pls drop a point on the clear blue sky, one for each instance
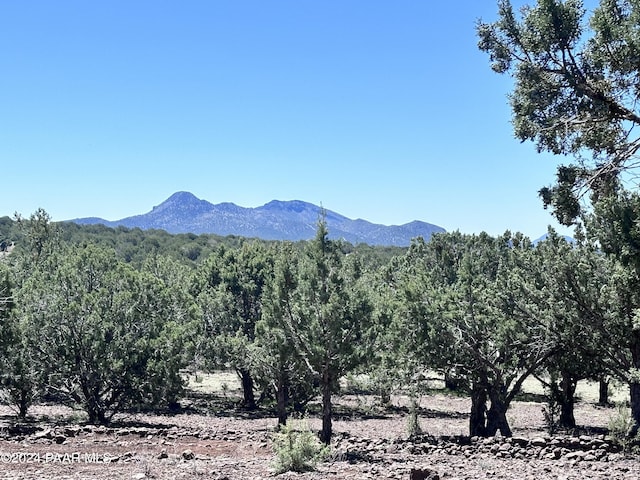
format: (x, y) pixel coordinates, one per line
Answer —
(382, 110)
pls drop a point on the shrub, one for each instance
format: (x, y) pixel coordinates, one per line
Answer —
(620, 428)
(297, 449)
(551, 413)
(413, 423)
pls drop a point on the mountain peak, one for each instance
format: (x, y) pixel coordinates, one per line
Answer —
(182, 197)
(292, 220)
(182, 200)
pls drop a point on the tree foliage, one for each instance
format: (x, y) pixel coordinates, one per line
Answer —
(100, 332)
(229, 288)
(575, 89)
(472, 306)
(327, 317)
(274, 355)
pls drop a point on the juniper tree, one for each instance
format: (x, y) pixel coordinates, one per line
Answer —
(274, 356)
(100, 332)
(474, 309)
(328, 321)
(575, 93)
(228, 288)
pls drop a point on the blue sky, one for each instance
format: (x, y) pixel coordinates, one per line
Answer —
(379, 110)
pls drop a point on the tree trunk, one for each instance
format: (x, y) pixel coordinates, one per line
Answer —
(97, 416)
(603, 391)
(451, 382)
(281, 395)
(634, 387)
(567, 401)
(327, 428)
(497, 415)
(478, 417)
(25, 400)
(385, 398)
(95, 409)
(634, 391)
(249, 400)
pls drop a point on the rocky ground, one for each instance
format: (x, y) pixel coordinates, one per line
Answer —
(209, 440)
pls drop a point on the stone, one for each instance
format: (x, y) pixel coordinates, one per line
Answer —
(188, 455)
(520, 441)
(71, 432)
(577, 456)
(423, 474)
(46, 433)
(539, 442)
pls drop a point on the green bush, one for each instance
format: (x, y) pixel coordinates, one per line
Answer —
(620, 428)
(413, 423)
(297, 449)
(551, 413)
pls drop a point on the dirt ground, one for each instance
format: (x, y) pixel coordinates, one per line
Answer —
(209, 440)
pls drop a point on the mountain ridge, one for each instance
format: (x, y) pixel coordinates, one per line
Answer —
(292, 220)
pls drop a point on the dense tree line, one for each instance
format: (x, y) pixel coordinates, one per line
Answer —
(82, 326)
(133, 245)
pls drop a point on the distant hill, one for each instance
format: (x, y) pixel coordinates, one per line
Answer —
(566, 238)
(291, 220)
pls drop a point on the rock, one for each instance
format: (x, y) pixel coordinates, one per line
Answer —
(163, 454)
(188, 455)
(539, 442)
(46, 433)
(60, 439)
(520, 441)
(423, 474)
(395, 449)
(71, 431)
(577, 456)
(573, 442)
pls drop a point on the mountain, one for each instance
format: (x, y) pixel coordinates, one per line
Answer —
(566, 238)
(292, 220)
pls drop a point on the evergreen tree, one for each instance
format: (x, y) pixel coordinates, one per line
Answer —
(576, 87)
(274, 355)
(329, 317)
(228, 288)
(475, 311)
(97, 330)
